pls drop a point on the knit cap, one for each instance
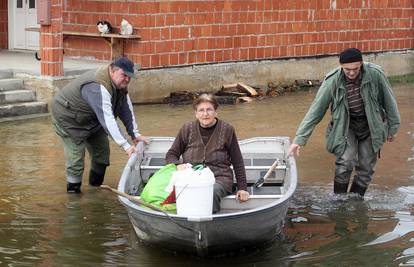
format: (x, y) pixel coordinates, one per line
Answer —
(350, 55)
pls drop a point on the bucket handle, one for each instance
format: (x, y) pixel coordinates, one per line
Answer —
(176, 197)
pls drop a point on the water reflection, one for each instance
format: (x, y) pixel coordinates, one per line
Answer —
(40, 225)
(404, 226)
(337, 228)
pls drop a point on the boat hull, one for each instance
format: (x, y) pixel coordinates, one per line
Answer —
(206, 238)
(209, 235)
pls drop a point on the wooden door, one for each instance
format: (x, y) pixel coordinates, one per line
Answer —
(24, 16)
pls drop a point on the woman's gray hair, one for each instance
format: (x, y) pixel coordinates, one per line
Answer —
(205, 98)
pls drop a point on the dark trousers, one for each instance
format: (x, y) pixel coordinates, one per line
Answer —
(359, 154)
(97, 145)
(218, 193)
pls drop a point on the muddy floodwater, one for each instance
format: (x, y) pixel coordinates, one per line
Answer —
(41, 225)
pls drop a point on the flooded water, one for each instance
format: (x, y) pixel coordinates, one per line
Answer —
(41, 225)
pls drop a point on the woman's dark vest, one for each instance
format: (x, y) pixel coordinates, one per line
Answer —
(214, 154)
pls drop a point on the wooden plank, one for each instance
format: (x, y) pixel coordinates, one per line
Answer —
(115, 41)
(248, 89)
(97, 34)
(229, 87)
(117, 48)
(90, 34)
(230, 93)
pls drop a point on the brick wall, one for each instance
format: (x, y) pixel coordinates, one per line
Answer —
(196, 32)
(51, 40)
(3, 25)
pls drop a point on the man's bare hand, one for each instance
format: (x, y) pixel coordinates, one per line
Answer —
(391, 138)
(294, 150)
(131, 151)
(141, 139)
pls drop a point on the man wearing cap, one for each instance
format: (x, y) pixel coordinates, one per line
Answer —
(364, 115)
(84, 113)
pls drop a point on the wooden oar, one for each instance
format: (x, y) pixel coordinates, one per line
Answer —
(261, 180)
(132, 198)
(140, 202)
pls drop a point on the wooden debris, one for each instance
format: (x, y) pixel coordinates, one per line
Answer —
(247, 89)
(262, 92)
(236, 93)
(274, 92)
(230, 93)
(180, 98)
(244, 99)
(226, 99)
(307, 83)
(229, 87)
(271, 85)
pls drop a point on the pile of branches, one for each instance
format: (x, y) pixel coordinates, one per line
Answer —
(237, 93)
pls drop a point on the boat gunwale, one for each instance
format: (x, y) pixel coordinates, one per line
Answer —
(133, 206)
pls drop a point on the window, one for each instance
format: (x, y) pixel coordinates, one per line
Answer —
(32, 3)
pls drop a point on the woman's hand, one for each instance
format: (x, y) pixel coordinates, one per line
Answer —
(183, 166)
(242, 195)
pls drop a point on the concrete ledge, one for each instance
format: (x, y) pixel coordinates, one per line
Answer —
(6, 74)
(24, 117)
(153, 85)
(11, 84)
(21, 109)
(15, 96)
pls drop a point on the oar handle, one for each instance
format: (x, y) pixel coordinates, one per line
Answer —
(274, 165)
(131, 198)
(261, 180)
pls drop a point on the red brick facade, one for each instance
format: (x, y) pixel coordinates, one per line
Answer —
(190, 32)
(51, 42)
(195, 32)
(3, 25)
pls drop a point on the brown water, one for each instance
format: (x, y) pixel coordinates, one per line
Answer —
(41, 225)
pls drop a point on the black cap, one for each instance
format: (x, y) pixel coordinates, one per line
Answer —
(126, 65)
(350, 55)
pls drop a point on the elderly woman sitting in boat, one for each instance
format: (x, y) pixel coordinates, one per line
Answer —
(213, 142)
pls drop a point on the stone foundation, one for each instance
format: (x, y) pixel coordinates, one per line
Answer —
(153, 85)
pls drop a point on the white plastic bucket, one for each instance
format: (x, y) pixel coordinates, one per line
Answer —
(194, 192)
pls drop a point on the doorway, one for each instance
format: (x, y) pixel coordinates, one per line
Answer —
(22, 15)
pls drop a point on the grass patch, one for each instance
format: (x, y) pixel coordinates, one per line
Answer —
(408, 78)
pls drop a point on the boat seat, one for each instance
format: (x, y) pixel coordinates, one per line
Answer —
(258, 197)
(255, 168)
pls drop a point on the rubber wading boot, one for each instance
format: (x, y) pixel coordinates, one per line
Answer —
(355, 188)
(73, 188)
(95, 179)
(340, 188)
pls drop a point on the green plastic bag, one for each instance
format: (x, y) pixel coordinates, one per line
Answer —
(154, 191)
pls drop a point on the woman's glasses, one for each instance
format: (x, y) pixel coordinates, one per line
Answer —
(209, 111)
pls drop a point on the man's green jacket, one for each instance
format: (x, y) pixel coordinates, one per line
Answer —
(379, 103)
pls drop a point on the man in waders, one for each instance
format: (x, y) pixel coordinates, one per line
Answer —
(364, 116)
(84, 114)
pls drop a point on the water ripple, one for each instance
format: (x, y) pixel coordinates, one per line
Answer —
(10, 251)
